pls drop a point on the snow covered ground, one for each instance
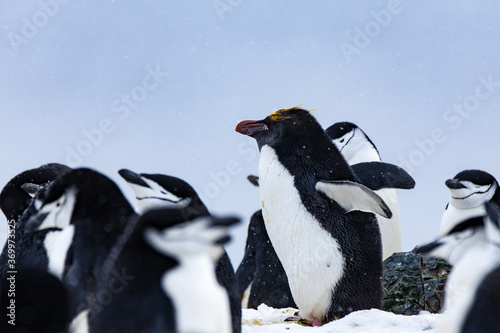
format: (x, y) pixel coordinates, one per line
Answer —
(269, 320)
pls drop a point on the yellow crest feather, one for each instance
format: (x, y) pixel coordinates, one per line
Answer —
(278, 115)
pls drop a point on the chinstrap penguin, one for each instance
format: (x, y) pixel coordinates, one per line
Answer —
(18, 206)
(170, 283)
(91, 213)
(162, 191)
(357, 149)
(473, 286)
(318, 216)
(469, 191)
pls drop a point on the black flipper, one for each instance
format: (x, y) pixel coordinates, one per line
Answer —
(246, 270)
(380, 175)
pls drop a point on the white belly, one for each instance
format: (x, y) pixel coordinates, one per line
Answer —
(390, 229)
(312, 259)
(200, 303)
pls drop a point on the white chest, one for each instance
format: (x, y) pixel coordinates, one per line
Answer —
(200, 303)
(312, 259)
(57, 244)
(453, 215)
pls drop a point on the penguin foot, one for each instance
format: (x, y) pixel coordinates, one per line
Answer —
(315, 322)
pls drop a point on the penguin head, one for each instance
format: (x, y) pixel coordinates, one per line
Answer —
(52, 211)
(351, 141)
(160, 191)
(471, 188)
(284, 124)
(462, 238)
(14, 200)
(179, 234)
(81, 195)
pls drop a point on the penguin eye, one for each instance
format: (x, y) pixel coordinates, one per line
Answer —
(341, 141)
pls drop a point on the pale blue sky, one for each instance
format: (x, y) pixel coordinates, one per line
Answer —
(401, 70)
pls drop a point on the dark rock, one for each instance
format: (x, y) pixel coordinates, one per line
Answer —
(413, 283)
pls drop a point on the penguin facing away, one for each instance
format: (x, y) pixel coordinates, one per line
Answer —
(172, 285)
(161, 191)
(469, 191)
(357, 149)
(473, 288)
(318, 216)
(260, 275)
(91, 213)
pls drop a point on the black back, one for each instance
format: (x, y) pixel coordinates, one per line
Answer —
(132, 280)
(40, 301)
(138, 302)
(484, 313)
(100, 215)
(310, 156)
(262, 268)
(14, 200)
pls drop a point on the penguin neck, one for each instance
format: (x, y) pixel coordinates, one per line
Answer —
(142, 262)
(365, 153)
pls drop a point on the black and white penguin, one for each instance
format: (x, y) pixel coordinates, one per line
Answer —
(161, 191)
(33, 301)
(472, 246)
(14, 200)
(353, 143)
(260, 275)
(18, 206)
(357, 149)
(318, 216)
(469, 190)
(171, 284)
(90, 213)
